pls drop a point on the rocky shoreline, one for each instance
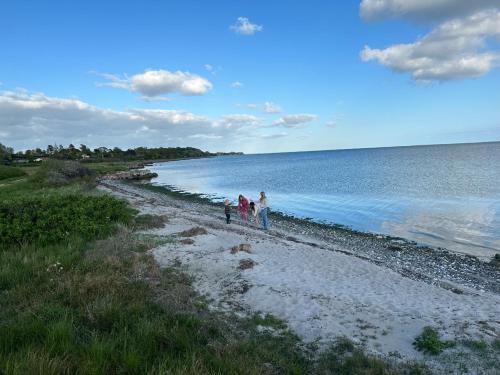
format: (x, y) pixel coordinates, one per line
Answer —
(453, 271)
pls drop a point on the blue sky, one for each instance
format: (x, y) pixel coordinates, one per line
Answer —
(101, 73)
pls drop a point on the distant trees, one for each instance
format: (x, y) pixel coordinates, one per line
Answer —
(5, 153)
(83, 152)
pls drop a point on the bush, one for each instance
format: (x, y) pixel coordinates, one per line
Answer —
(429, 342)
(59, 173)
(52, 218)
(10, 172)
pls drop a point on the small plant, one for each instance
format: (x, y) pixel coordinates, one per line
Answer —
(196, 231)
(148, 221)
(476, 345)
(429, 342)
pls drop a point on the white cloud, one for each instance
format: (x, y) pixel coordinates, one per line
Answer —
(30, 120)
(422, 10)
(245, 27)
(273, 136)
(153, 99)
(206, 136)
(35, 120)
(331, 124)
(152, 83)
(294, 121)
(238, 121)
(212, 69)
(271, 108)
(236, 85)
(455, 49)
(266, 107)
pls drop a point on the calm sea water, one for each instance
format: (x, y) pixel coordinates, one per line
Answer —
(443, 195)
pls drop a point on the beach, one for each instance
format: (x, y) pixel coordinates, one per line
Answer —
(327, 281)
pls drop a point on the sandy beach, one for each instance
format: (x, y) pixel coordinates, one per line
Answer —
(327, 282)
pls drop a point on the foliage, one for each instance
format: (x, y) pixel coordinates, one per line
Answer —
(109, 154)
(5, 154)
(59, 173)
(52, 218)
(429, 342)
(10, 172)
(345, 358)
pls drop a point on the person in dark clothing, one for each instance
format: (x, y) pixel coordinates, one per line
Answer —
(227, 210)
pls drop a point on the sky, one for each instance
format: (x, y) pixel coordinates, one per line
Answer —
(252, 76)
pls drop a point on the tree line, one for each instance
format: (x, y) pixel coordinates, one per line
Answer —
(8, 156)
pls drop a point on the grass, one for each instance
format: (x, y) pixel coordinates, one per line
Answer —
(147, 221)
(346, 358)
(7, 172)
(95, 301)
(107, 167)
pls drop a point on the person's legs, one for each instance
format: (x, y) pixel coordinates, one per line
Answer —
(244, 216)
(264, 218)
(228, 218)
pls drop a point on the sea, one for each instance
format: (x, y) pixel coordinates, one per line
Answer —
(444, 196)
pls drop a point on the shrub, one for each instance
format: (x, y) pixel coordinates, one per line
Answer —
(59, 173)
(10, 172)
(52, 218)
(429, 342)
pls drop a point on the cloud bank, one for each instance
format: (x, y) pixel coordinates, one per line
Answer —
(457, 48)
(35, 120)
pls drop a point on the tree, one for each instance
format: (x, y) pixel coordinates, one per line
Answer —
(6, 154)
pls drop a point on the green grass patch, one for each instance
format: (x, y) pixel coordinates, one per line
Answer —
(10, 172)
(429, 342)
(101, 168)
(347, 358)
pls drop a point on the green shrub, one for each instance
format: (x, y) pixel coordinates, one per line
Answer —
(52, 218)
(10, 172)
(429, 342)
(59, 173)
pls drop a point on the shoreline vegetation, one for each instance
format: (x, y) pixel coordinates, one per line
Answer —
(83, 292)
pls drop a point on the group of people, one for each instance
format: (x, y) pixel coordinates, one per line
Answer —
(257, 210)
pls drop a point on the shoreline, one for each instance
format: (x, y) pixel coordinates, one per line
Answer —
(396, 253)
(326, 282)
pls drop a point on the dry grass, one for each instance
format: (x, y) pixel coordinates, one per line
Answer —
(245, 247)
(246, 264)
(195, 231)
